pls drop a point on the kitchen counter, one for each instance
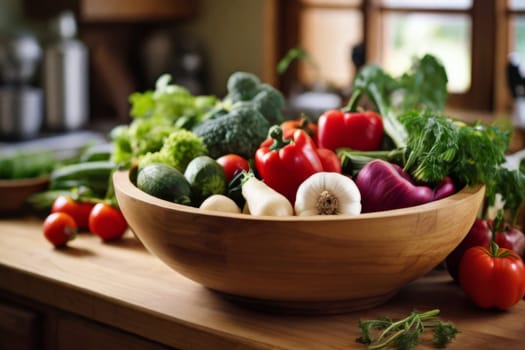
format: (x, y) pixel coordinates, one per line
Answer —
(124, 288)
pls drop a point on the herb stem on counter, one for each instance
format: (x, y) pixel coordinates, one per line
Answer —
(405, 333)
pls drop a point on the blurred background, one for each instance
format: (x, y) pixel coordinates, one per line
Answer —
(70, 65)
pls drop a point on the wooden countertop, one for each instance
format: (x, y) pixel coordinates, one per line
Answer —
(122, 285)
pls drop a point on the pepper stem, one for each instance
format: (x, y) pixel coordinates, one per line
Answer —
(327, 204)
(276, 133)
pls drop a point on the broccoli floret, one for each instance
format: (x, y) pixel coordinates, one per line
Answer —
(242, 86)
(240, 131)
(246, 88)
(179, 148)
(270, 102)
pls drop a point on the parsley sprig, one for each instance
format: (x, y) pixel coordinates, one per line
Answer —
(406, 333)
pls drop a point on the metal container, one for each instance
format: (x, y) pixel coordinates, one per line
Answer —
(65, 78)
(21, 112)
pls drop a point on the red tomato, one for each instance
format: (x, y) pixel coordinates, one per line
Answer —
(233, 164)
(79, 211)
(107, 222)
(59, 228)
(492, 278)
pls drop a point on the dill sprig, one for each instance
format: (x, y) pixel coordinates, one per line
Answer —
(406, 333)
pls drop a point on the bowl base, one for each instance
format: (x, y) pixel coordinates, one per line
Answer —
(293, 307)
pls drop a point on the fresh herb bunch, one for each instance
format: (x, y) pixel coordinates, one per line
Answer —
(438, 146)
(406, 333)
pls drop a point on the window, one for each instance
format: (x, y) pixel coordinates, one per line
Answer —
(473, 39)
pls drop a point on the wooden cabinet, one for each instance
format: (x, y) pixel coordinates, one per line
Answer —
(20, 328)
(32, 326)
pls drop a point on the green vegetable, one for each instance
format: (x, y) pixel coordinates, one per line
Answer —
(247, 88)
(292, 55)
(438, 146)
(239, 131)
(101, 151)
(206, 178)
(142, 136)
(25, 164)
(178, 149)
(424, 86)
(170, 102)
(406, 333)
(164, 182)
(242, 86)
(95, 175)
(156, 115)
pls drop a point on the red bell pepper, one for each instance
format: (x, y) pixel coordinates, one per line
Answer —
(362, 131)
(284, 164)
(492, 278)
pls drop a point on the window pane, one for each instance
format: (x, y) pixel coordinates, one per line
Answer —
(332, 2)
(517, 37)
(328, 35)
(445, 36)
(421, 4)
(517, 4)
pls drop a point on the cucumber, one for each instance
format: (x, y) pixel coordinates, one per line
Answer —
(206, 178)
(96, 170)
(97, 152)
(164, 182)
(94, 175)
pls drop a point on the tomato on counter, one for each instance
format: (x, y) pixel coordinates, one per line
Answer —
(107, 222)
(79, 211)
(59, 228)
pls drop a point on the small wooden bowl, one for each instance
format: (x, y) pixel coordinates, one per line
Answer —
(14, 193)
(321, 264)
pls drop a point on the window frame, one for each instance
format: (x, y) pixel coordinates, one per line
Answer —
(489, 43)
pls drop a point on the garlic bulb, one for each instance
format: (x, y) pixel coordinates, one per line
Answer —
(328, 193)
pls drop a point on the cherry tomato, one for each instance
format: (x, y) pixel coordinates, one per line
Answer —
(492, 278)
(59, 228)
(233, 164)
(107, 222)
(79, 211)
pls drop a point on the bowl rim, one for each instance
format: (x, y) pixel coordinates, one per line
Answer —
(123, 183)
(30, 181)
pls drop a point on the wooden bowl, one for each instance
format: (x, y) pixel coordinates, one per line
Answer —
(321, 264)
(14, 193)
